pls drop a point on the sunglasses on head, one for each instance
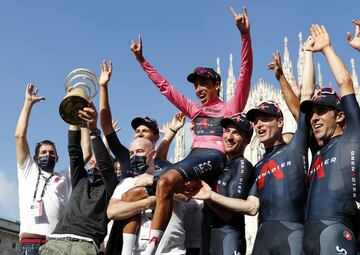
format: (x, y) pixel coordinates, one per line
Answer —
(148, 119)
(202, 70)
(326, 91)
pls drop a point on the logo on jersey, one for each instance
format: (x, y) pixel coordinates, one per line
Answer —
(347, 235)
(203, 167)
(318, 166)
(237, 253)
(270, 167)
(341, 251)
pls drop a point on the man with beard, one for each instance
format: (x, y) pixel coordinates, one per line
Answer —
(332, 213)
(223, 231)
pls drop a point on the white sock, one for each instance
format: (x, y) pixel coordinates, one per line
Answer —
(128, 244)
(155, 237)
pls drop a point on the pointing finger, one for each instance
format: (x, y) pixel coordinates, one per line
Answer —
(233, 12)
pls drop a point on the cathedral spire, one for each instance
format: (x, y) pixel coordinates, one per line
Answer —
(179, 145)
(288, 69)
(231, 82)
(319, 76)
(221, 94)
(300, 63)
(354, 76)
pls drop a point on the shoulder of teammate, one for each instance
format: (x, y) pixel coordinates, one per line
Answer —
(301, 138)
(352, 113)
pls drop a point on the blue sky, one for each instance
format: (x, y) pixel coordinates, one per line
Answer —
(42, 41)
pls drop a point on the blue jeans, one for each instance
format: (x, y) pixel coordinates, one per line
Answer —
(29, 248)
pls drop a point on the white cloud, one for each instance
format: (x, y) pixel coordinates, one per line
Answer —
(9, 201)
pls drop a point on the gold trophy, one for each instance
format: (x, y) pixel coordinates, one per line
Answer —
(81, 85)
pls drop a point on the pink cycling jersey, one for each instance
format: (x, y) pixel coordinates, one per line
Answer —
(217, 109)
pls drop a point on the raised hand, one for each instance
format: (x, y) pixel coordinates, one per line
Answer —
(276, 65)
(106, 72)
(321, 38)
(30, 94)
(242, 20)
(354, 41)
(136, 48)
(309, 43)
(164, 128)
(89, 115)
(177, 122)
(115, 126)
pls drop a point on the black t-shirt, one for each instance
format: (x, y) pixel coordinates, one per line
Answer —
(281, 178)
(85, 213)
(334, 172)
(235, 181)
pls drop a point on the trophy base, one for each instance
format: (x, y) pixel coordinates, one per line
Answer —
(69, 109)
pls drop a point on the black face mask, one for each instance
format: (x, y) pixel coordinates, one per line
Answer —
(93, 175)
(47, 163)
(138, 164)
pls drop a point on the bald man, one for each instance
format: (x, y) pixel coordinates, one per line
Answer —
(123, 207)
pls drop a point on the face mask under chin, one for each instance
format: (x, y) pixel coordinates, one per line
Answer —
(47, 163)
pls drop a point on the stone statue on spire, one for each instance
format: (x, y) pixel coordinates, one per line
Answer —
(354, 76)
(300, 62)
(288, 69)
(231, 81)
(319, 77)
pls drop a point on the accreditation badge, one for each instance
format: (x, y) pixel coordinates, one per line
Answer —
(146, 217)
(37, 208)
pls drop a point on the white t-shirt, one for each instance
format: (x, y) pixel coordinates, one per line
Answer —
(173, 240)
(192, 220)
(56, 196)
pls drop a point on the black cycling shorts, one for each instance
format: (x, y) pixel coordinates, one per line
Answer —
(323, 237)
(201, 163)
(226, 240)
(279, 238)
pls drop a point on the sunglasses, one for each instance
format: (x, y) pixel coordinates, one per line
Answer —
(202, 70)
(150, 120)
(326, 91)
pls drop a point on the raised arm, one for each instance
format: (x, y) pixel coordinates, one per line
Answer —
(308, 85)
(341, 74)
(22, 146)
(77, 165)
(86, 145)
(185, 105)
(105, 112)
(355, 41)
(238, 101)
(249, 206)
(291, 100)
(176, 123)
(103, 160)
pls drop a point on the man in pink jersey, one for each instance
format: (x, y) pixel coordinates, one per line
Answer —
(206, 158)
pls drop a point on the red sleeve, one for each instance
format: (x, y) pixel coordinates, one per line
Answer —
(184, 104)
(238, 101)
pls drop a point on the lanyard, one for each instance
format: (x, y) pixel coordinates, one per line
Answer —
(37, 186)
